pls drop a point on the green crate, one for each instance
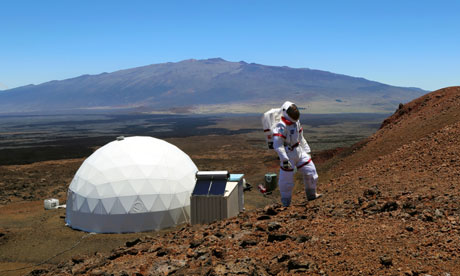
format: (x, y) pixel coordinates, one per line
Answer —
(271, 181)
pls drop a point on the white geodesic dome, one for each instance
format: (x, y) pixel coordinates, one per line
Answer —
(131, 185)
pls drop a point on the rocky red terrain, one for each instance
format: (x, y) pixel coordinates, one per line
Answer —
(391, 206)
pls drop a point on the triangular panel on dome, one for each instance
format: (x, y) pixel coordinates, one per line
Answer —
(162, 172)
(84, 207)
(183, 216)
(158, 204)
(118, 186)
(79, 200)
(99, 209)
(92, 202)
(166, 198)
(133, 172)
(157, 218)
(148, 200)
(127, 202)
(175, 215)
(98, 178)
(118, 208)
(166, 187)
(138, 185)
(82, 188)
(167, 220)
(114, 174)
(138, 206)
(182, 198)
(106, 190)
(76, 183)
(128, 188)
(106, 165)
(89, 173)
(175, 202)
(187, 182)
(108, 203)
(146, 170)
(150, 187)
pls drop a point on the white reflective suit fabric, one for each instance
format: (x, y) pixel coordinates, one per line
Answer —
(291, 146)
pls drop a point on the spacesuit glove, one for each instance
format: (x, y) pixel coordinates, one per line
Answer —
(286, 165)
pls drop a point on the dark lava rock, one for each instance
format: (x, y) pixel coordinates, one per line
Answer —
(38, 272)
(270, 210)
(409, 228)
(132, 251)
(133, 243)
(200, 253)
(277, 237)
(78, 259)
(371, 193)
(427, 217)
(261, 227)
(116, 253)
(195, 243)
(274, 225)
(246, 243)
(218, 253)
(99, 272)
(283, 258)
(408, 205)
(297, 216)
(296, 264)
(263, 217)
(247, 225)
(389, 206)
(219, 235)
(303, 238)
(386, 260)
(162, 252)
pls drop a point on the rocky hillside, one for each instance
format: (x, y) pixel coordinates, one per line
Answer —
(211, 85)
(391, 207)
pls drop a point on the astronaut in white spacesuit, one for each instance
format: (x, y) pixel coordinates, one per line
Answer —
(294, 152)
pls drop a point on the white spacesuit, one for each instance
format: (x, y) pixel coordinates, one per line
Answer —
(293, 151)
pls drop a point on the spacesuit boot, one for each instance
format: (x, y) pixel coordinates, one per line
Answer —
(310, 187)
(286, 201)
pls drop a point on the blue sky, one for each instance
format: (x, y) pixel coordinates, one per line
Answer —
(403, 43)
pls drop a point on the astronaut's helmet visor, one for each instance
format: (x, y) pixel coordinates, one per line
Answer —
(293, 112)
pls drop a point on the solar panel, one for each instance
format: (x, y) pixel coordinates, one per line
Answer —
(201, 187)
(218, 187)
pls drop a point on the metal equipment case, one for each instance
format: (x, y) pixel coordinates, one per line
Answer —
(215, 197)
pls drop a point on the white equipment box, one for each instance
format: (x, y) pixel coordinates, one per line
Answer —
(51, 203)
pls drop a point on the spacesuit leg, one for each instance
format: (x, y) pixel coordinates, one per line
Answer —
(286, 184)
(310, 179)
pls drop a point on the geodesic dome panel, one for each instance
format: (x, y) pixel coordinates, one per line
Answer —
(131, 185)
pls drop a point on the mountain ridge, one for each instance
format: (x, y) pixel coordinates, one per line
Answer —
(206, 85)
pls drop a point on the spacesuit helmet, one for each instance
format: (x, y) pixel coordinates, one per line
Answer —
(290, 111)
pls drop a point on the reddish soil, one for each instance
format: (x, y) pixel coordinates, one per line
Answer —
(391, 206)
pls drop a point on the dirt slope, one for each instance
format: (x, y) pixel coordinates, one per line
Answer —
(410, 122)
(391, 208)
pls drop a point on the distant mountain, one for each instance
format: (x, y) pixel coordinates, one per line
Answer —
(206, 86)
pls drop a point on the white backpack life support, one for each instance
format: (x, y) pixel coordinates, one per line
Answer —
(269, 121)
